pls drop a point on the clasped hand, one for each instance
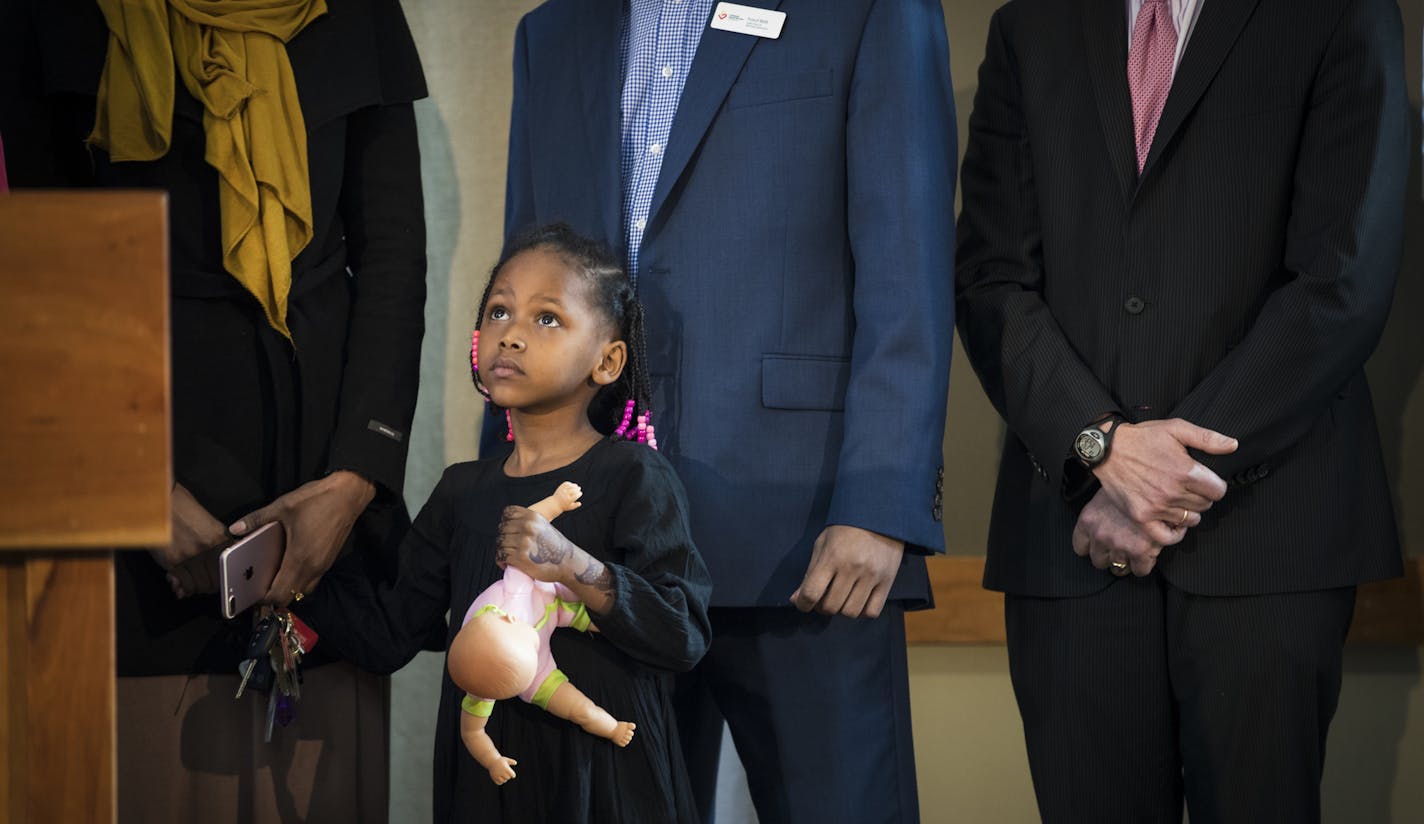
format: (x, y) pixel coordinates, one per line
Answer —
(1152, 492)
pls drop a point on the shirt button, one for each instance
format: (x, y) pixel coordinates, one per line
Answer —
(655, 149)
(1134, 305)
(667, 71)
(641, 224)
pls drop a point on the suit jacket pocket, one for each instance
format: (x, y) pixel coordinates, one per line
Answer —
(804, 382)
(759, 90)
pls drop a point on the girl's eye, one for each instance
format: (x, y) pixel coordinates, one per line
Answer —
(548, 319)
(498, 313)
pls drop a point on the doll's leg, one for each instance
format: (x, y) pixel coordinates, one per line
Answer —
(477, 741)
(569, 702)
(564, 499)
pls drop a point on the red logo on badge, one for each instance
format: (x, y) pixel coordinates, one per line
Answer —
(722, 16)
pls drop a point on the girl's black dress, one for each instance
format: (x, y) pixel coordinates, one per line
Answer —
(634, 519)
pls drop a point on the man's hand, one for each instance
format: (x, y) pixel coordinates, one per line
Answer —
(317, 517)
(1149, 477)
(1105, 534)
(850, 573)
(195, 531)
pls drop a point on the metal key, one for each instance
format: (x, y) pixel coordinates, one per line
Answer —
(258, 648)
(291, 644)
(245, 668)
(271, 716)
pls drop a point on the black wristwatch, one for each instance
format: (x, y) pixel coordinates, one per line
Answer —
(1092, 445)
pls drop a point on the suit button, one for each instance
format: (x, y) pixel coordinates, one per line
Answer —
(1134, 305)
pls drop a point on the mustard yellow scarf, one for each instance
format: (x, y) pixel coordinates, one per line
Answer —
(232, 57)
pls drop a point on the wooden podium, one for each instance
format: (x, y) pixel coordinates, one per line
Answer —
(84, 471)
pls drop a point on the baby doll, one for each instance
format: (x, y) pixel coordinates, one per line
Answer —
(502, 650)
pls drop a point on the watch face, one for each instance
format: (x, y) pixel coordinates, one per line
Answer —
(1088, 447)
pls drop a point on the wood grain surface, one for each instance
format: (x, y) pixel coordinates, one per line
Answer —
(1387, 613)
(57, 688)
(84, 430)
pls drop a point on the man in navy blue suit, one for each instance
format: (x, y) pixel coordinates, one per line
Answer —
(780, 179)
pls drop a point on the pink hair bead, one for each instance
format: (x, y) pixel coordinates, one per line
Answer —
(509, 430)
(622, 429)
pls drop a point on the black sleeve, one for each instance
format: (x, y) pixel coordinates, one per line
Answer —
(51, 55)
(384, 216)
(380, 627)
(659, 613)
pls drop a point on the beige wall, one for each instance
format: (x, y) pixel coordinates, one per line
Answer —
(969, 747)
(466, 47)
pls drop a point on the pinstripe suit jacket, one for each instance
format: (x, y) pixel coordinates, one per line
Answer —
(1240, 282)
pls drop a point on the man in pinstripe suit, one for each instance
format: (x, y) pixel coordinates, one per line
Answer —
(1181, 228)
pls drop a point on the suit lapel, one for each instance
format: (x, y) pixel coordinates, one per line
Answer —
(1105, 38)
(1218, 25)
(598, 63)
(719, 59)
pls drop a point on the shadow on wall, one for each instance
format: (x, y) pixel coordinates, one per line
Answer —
(415, 690)
(442, 228)
(1397, 367)
(1363, 770)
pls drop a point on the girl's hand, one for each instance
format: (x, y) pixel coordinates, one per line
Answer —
(529, 543)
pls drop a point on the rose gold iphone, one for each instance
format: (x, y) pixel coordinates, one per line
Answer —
(246, 568)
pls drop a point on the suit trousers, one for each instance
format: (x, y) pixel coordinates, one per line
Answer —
(819, 710)
(1142, 694)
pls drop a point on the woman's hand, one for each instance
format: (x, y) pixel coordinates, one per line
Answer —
(195, 531)
(317, 517)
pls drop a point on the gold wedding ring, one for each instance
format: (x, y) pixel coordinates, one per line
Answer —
(1119, 568)
(1182, 522)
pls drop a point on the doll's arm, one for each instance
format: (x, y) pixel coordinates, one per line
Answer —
(564, 499)
(569, 703)
(477, 741)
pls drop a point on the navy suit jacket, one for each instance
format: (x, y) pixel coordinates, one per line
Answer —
(797, 266)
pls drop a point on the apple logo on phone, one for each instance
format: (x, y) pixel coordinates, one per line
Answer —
(247, 574)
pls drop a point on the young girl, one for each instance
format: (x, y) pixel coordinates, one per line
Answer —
(559, 333)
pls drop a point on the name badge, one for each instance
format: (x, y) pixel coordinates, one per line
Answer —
(748, 20)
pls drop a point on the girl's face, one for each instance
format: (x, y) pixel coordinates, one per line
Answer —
(543, 345)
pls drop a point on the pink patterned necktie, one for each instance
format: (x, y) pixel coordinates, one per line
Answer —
(1150, 59)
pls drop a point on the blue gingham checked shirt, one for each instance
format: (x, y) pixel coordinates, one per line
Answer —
(660, 38)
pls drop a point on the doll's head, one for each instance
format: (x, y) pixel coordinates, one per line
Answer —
(585, 289)
(494, 655)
